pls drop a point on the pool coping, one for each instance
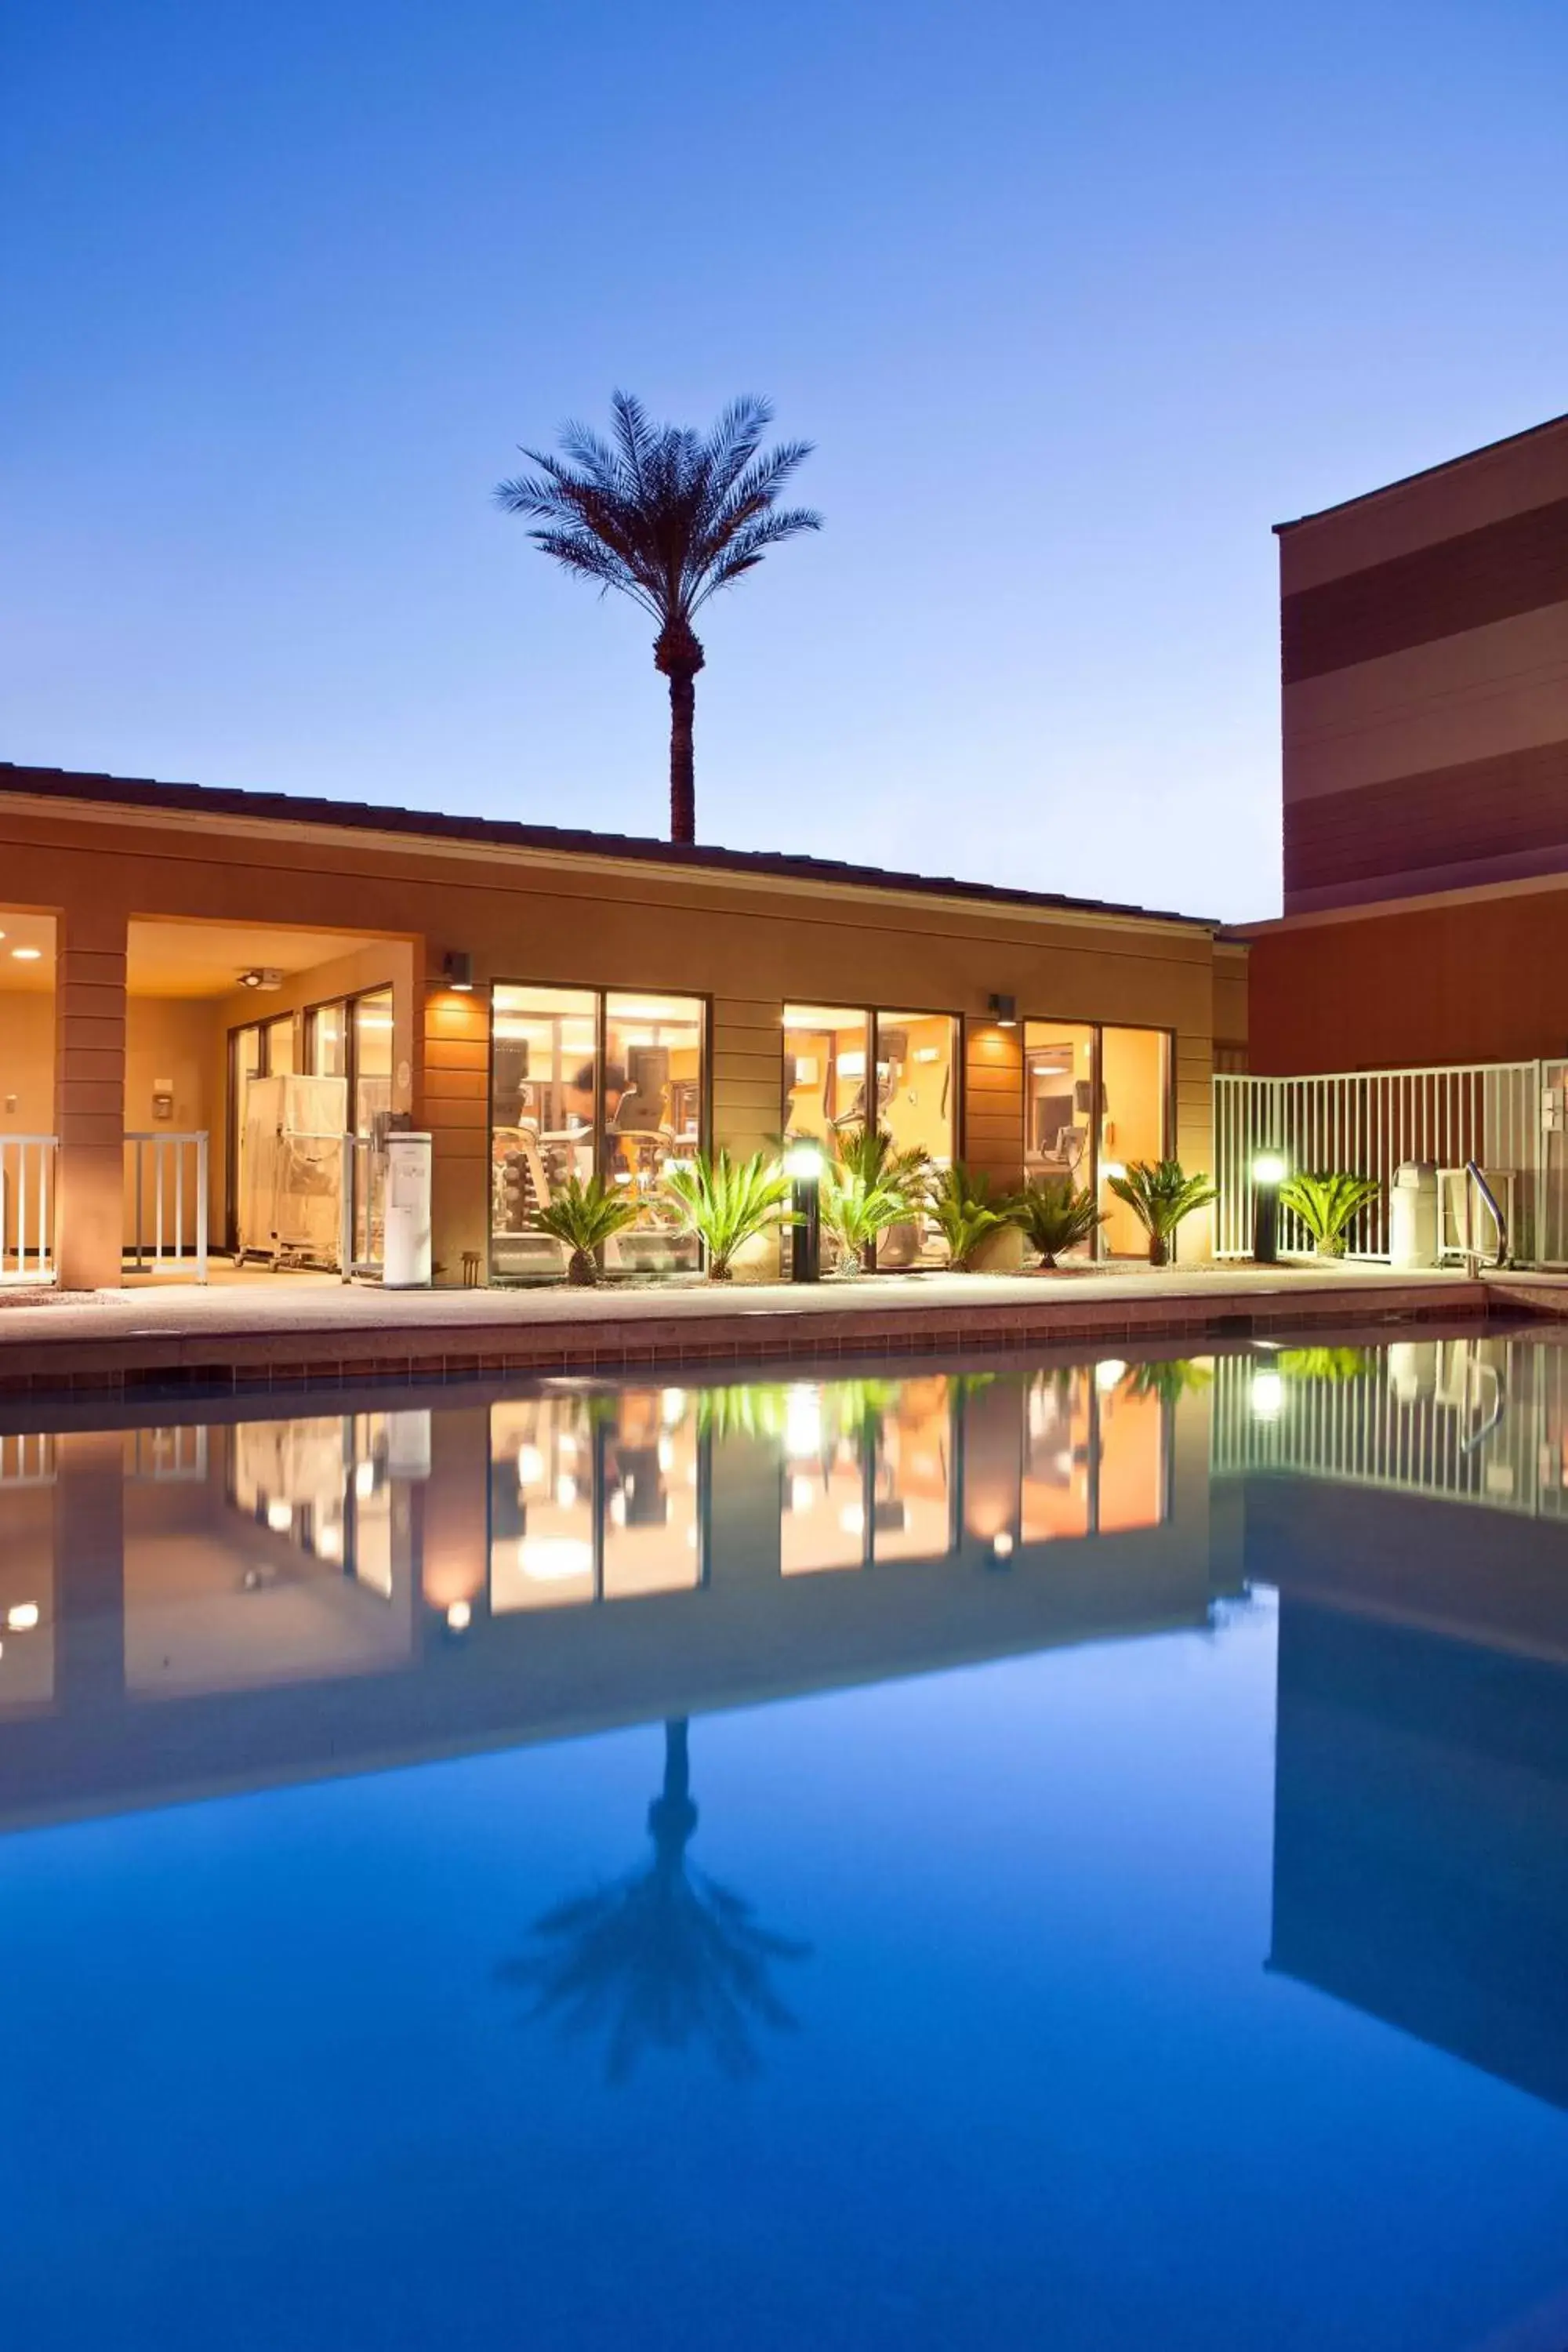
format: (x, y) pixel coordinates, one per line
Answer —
(215, 1359)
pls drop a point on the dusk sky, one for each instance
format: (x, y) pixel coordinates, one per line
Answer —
(1075, 302)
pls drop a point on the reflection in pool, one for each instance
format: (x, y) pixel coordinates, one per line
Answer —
(1188, 1969)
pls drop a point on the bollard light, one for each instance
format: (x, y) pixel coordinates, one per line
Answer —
(1269, 1170)
(803, 1166)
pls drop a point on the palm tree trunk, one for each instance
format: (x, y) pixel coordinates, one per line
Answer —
(676, 1765)
(682, 778)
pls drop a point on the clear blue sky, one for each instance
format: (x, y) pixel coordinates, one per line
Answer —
(1075, 302)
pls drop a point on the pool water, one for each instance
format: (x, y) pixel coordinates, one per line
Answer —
(1065, 1856)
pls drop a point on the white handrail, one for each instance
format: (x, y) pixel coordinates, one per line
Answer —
(27, 1208)
(172, 1252)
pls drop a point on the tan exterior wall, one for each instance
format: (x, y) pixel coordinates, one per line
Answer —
(1425, 645)
(748, 944)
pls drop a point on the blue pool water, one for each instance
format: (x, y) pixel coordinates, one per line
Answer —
(1073, 1857)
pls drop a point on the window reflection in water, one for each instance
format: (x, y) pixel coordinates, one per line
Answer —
(28, 1468)
(594, 1496)
(273, 1551)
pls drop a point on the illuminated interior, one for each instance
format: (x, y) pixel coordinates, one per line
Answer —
(1094, 1100)
(564, 1104)
(826, 1094)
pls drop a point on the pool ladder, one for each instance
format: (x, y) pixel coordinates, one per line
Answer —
(1475, 1181)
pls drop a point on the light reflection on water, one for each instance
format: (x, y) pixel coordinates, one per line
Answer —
(1192, 1972)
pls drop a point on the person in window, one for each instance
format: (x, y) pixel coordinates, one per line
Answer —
(577, 1096)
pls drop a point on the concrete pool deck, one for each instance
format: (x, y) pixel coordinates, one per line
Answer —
(277, 1331)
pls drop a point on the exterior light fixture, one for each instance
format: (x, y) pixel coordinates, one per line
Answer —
(1268, 1396)
(460, 1617)
(1109, 1168)
(457, 969)
(803, 1166)
(22, 1618)
(1269, 1170)
(1001, 1544)
(27, 955)
(1004, 1011)
(1108, 1373)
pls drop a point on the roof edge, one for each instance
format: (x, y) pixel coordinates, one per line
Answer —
(1421, 474)
(91, 788)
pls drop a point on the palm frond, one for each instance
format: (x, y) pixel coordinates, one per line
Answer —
(963, 1208)
(728, 1203)
(1056, 1215)
(1160, 1194)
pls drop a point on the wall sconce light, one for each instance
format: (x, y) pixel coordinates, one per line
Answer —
(457, 969)
(1004, 1011)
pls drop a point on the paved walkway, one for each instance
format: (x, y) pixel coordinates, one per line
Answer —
(272, 1329)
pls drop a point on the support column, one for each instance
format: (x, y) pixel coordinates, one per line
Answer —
(89, 1098)
(90, 1570)
(454, 1104)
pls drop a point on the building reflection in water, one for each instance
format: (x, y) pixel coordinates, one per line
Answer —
(662, 1958)
(236, 1602)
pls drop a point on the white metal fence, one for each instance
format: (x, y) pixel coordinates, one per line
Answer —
(27, 1208)
(1497, 1114)
(166, 1204)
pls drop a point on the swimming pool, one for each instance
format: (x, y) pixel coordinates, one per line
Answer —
(1068, 1856)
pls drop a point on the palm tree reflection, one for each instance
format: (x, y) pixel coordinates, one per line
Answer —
(662, 1957)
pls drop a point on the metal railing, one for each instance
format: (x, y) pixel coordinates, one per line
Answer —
(1368, 1122)
(27, 1207)
(1477, 1186)
(166, 1182)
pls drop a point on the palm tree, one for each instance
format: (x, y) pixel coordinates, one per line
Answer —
(663, 1956)
(668, 516)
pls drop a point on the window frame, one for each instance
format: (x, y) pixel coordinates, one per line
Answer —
(601, 991)
(1097, 1030)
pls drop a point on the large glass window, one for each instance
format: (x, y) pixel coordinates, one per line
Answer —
(1094, 1099)
(827, 1050)
(1135, 1122)
(830, 1055)
(583, 1081)
(652, 1115)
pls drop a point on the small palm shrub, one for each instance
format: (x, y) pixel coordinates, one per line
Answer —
(1160, 1193)
(1326, 1204)
(728, 1203)
(871, 1186)
(584, 1217)
(961, 1205)
(1055, 1216)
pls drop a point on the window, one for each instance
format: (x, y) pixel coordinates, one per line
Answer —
(828, 1092)
(582, 1081)
(1095, 1099)
(1135, 1111)
(652, 1114)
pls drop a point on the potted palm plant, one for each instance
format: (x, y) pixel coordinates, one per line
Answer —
(871, 1186)
(584, 1217)
(961, 1205)
(1160, 1193)
(728, 1203)
(1056, 1215)
(1326, 1205)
